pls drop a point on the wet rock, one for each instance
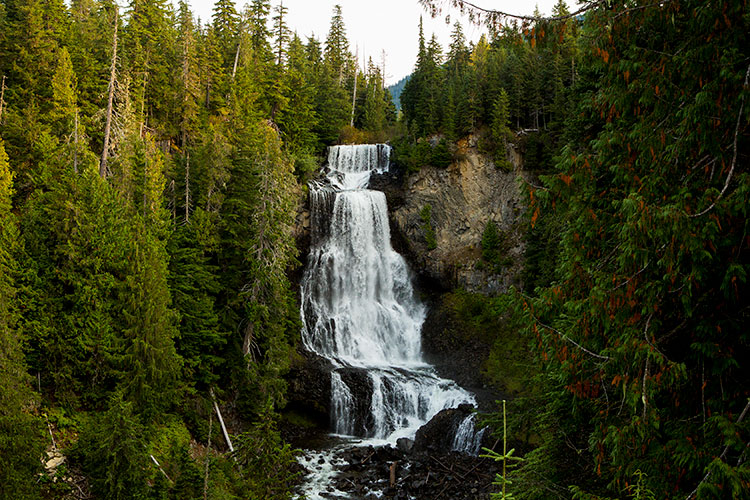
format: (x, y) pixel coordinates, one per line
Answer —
(310, 387)
(360, 386)
(405, 444)
(418, 476)
(437, 435)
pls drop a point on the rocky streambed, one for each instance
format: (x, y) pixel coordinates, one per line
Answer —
(372, 472)
(423, 468)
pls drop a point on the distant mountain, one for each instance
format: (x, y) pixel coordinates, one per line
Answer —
(396, 90)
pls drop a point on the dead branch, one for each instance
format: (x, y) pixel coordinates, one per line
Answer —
(734, 150)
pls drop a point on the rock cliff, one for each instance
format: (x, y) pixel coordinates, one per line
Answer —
(455, 204)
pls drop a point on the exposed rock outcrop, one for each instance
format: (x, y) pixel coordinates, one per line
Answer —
(309, 387)
(462, 199)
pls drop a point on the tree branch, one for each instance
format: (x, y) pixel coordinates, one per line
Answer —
(734, 150)
(723, 453)
(434, 10)
(565, 337)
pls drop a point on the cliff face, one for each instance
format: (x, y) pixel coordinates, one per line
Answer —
(455, 204)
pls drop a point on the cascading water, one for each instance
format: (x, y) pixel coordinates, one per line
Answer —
(467, 438)
(359, 309)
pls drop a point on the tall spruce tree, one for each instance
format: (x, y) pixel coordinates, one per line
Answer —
(21, 442)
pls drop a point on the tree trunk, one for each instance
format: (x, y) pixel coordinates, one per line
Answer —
(110, 100)
(221, 421)
(75, 145)
(187, 189)
(2, 99)
(236, 59)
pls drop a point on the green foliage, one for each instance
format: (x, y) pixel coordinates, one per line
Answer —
(414, 156)
(520, 76)
(508, 460)
(21, 439)
(130, 295)
(637, 326)
(427, 229)
(112, 450)
(495, 247)
(501, 133)
(194, 286)
(266, 461)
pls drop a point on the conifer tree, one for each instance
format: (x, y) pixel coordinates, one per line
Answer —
(298, 118)
(114, 454)
(280, 33)
(189, 83)
(226, 24)
(21, 443)
(337, 46)
(64, 101)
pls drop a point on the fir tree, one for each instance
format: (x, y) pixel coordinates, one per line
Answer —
(337, 46)
(21, 442)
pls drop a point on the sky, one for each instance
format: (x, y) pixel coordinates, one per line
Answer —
(374, 26)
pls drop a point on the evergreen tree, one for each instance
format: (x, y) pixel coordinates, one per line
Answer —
(189, 80)
(114, 454)
(280, 33)
(64, 108)
(194, 286)
(21, 441)
(298, 118)
(641, 330)
(226, 25)
(337, 46)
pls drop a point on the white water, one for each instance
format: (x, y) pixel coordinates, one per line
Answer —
(359, 308)
(467, 439)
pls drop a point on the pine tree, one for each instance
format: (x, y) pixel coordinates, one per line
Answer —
(258, 249)
(226, 24)
(337, 46)
(189, 82)
(298, 118)
(114, 454)
(149, 47)
(64, 107)
(501, 133)
(280, 33)
(21, 442)
(150, 363)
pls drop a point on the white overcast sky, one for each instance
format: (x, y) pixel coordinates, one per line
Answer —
(373, 26)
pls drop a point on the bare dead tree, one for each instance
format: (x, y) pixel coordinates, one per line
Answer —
(2, 99)
(110, 99)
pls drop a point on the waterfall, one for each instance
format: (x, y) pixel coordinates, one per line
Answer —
(359, 308)
(467, 438)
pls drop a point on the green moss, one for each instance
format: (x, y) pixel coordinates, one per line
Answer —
(297, 419)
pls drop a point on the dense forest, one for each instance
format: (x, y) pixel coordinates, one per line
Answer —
(151, 169)
(633, 116)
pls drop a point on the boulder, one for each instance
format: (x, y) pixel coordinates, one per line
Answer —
(309, 389)
(436, 436)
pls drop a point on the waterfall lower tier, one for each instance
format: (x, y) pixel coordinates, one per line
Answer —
(359, 309)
